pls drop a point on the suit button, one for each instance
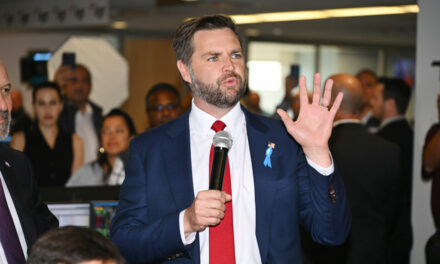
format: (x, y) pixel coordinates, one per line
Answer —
(332, 193)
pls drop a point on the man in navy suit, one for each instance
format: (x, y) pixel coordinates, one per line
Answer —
(167, 213)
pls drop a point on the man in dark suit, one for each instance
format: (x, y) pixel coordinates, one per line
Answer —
(369, 167)
(23, 216)
(272, 182)
(80, 115)
(389, 102)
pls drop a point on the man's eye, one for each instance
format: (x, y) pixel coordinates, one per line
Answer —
(212, 58)
(5, 90)
(236, 56)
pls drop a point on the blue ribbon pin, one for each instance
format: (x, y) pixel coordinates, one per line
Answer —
(269, 150)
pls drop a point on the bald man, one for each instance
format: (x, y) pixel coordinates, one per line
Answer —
(23, 215)
(369, 167)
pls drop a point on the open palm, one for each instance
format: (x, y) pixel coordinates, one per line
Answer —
(313, 127)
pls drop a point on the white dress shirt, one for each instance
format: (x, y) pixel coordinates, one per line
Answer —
(85, 128)
(17, 224)
(242, 181)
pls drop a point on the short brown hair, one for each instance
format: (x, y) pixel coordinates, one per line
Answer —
(182, 38)
(72, 245)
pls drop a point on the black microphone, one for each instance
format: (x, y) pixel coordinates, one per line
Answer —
(222, 142)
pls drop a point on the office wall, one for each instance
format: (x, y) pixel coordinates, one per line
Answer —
(150, 61)
(426, 90)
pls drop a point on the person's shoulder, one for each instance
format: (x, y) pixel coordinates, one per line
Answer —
(269, 124)
(96, 108)
(12, 155)
(89, 174)
(156, 135)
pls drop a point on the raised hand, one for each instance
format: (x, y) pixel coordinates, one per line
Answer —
(313, 127)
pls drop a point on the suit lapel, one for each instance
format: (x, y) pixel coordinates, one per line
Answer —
(258, 137)
(177, 155)
(12, 184)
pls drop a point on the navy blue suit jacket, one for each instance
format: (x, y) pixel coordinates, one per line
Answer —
(158, 186)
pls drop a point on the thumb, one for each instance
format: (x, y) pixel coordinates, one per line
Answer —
(228, 197)
(284, 117)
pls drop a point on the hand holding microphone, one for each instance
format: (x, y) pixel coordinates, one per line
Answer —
(206, 209)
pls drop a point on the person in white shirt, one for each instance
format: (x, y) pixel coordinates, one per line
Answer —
(80, 115)
(271, 183)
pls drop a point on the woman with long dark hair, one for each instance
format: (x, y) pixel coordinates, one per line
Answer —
(116, 132)
(54, 153)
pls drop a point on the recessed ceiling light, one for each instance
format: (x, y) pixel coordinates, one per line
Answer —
(324, 13)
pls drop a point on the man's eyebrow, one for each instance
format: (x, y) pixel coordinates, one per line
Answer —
(239, 50)
(211, 53)
(8, 85)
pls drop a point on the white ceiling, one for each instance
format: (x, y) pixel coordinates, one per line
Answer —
(163, 16)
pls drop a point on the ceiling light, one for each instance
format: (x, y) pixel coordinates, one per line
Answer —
(324, 13)
(119, 25)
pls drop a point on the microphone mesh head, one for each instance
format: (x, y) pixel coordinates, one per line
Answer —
(222, 139)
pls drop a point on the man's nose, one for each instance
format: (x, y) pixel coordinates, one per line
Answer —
(4, 102)
(228, 65)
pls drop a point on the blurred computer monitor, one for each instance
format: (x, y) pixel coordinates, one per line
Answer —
(77, 214)
(101, 215)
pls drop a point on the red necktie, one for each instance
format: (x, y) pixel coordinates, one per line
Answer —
(221, 236)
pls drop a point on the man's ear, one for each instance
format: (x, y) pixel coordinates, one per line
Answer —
(184, 71)
(390, 105)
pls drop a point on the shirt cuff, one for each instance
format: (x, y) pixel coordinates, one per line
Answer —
(324, 171)
(191, 237)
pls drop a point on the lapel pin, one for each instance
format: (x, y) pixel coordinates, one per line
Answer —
(269, 150)
(7, 164)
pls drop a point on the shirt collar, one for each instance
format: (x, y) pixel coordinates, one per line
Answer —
(391, 119)
(346, 121)
(201, 121)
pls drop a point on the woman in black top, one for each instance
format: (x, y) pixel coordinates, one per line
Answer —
(54, 153)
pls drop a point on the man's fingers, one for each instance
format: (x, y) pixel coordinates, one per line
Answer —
(336, 104)
(303, 98)
(316, 89)
(228, 197)
(327, 93)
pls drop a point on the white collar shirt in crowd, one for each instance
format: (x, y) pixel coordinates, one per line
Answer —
(17, 223)
(85, 128)
(117, 175)
(391, 120)
(242, 181)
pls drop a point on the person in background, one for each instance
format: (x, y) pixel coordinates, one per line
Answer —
(162, 104)
(116, 132)
(79, 115)
(252, 103)
(23, 215)
(390, 100)
(368, 81)
(20, 119)
(289, 84)
(55, 154)
(74, 245)
(431, 171)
